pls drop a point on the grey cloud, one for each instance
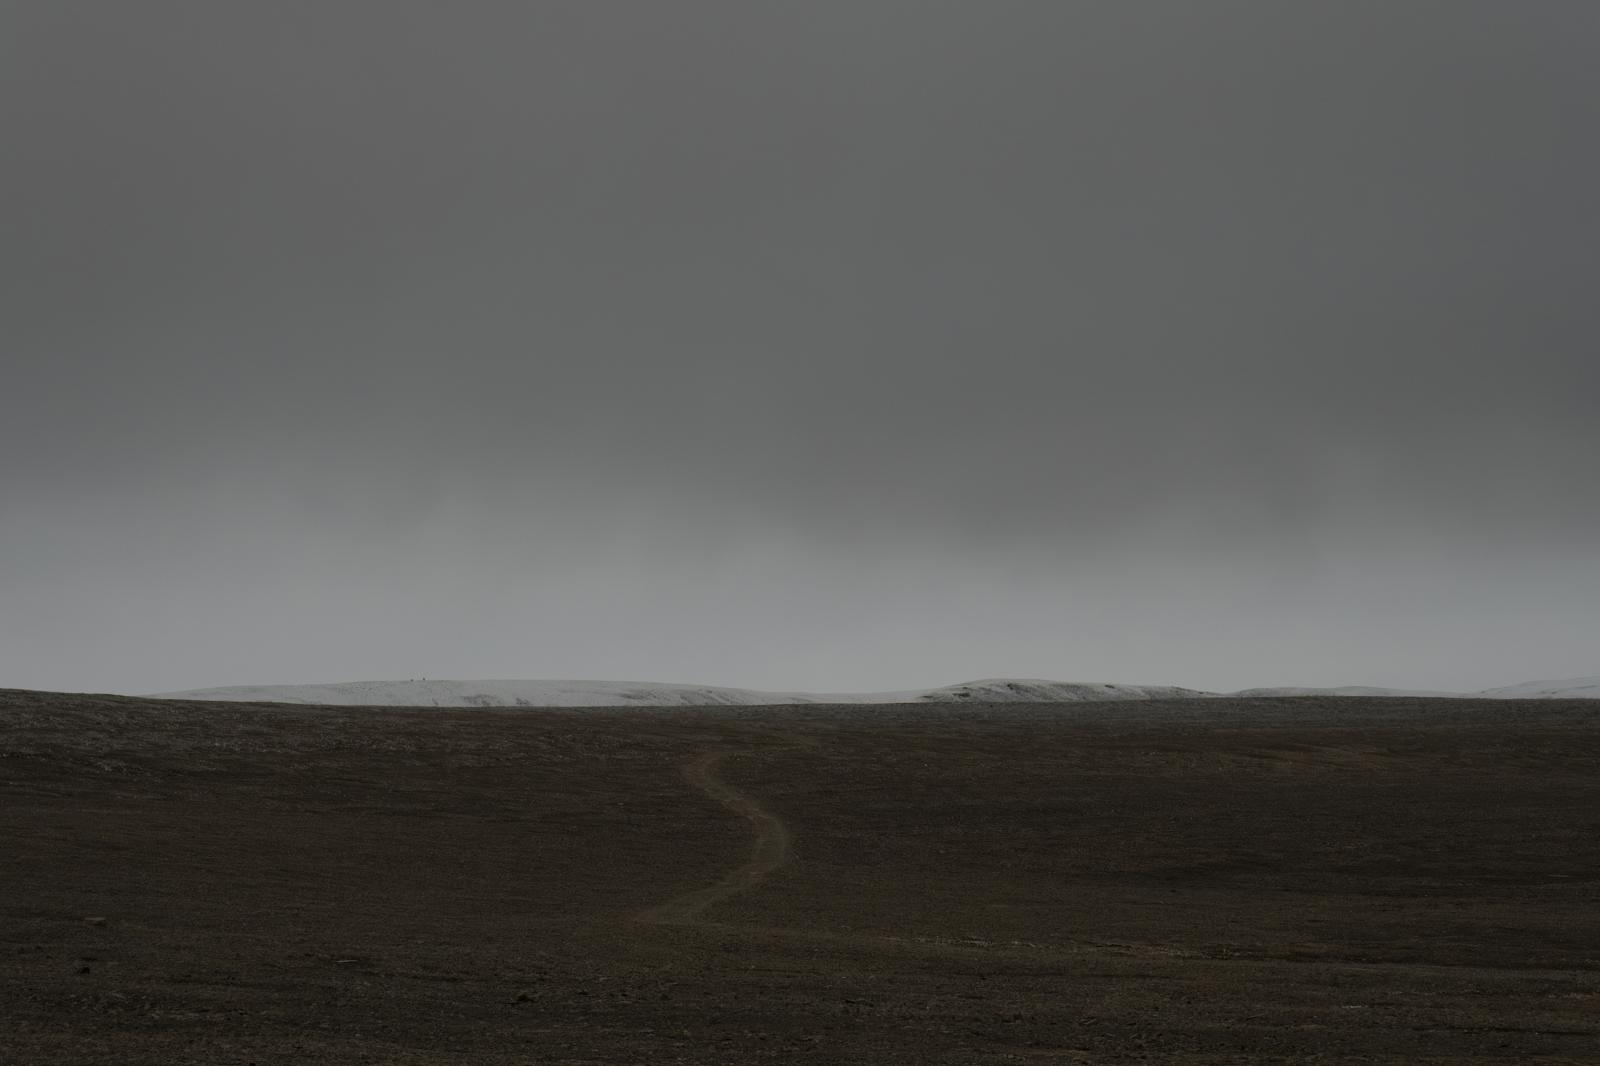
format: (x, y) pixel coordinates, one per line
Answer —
(845, 345)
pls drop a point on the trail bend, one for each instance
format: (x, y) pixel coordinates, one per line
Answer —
(768, 851)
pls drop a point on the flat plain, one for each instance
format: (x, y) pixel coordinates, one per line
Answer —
(1189, 881)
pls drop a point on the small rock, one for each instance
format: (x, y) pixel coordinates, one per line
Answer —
(94, 920)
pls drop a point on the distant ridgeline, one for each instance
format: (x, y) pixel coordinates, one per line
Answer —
(426, 693)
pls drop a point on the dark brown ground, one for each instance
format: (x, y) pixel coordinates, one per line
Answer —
(1332, 881)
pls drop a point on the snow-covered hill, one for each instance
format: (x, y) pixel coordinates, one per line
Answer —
(1575, 688)
(495, 693)
(651, 694)
(1029, 690)
(659, 694)
(1344, 690)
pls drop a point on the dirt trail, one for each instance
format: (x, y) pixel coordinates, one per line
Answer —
(770, 850)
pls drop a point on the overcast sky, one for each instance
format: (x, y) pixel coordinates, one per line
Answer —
(829, 345)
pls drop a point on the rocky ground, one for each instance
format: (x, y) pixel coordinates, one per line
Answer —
(1216, 881)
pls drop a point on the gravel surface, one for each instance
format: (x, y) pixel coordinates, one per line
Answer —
(1207, 881)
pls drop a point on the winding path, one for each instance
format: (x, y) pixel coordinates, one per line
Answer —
(770, 850)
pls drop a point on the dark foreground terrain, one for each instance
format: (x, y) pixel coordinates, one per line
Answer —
(1331, 881)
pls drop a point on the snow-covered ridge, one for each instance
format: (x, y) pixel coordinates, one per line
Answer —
(1349, 690)
(1028, 690)
(652, 694)
(1574, 688)
(1577, 688)
(494, 693)
(658, 694)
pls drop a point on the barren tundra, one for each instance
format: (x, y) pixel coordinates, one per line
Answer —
(1190, 881)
